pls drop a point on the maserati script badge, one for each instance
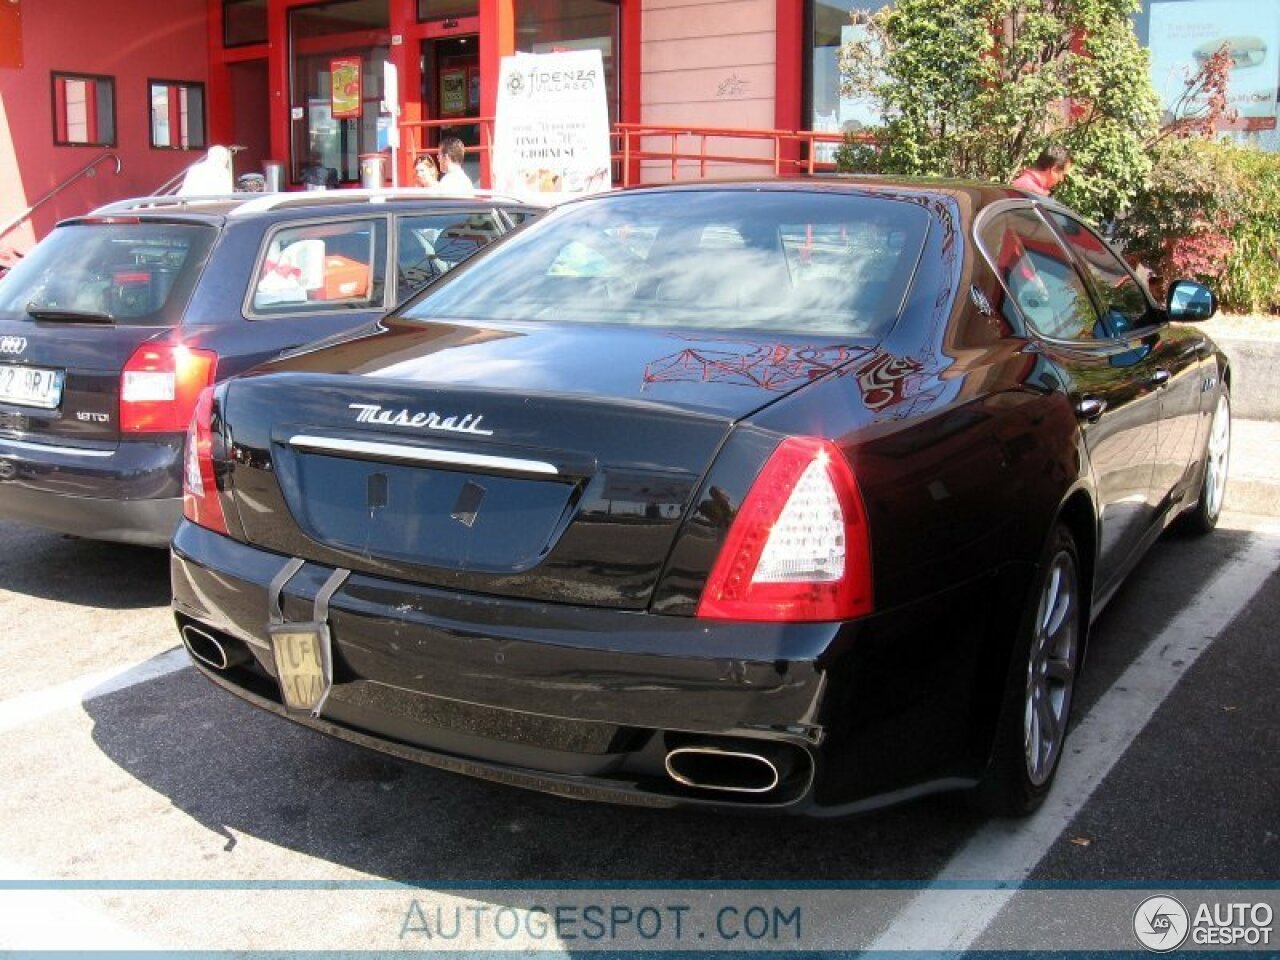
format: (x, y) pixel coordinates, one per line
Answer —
(373, 413)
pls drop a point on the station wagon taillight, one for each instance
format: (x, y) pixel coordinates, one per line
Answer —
(160, 384)
(200, 503)
(799, 548)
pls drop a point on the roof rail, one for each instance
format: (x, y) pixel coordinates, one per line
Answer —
(164, 201)
(263, 202)
(250, 203)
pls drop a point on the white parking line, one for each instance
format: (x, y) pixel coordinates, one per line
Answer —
(35, 920)
(29, 707)
(1004, 851)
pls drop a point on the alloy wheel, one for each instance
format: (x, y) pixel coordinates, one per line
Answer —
(1051, 668)
(1218, 458)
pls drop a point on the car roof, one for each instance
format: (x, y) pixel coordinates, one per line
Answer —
(974, 194)
(294, 204)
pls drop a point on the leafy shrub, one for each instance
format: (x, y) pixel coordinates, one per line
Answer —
(976, 88)
(1251, 280)
(1180, 223)
(1211, 211)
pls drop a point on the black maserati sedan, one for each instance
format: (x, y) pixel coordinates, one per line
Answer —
(790, 496)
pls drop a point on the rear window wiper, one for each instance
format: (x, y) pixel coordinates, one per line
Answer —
(37, 312)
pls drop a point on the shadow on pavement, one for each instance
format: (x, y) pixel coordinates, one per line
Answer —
(253, 773)
(89, 573)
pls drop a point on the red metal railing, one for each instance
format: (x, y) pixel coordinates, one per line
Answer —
(688, 150)
(784, 153)
(414, 136)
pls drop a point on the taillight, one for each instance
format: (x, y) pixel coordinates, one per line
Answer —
(799, 548)
(160, 384)
(200, 503)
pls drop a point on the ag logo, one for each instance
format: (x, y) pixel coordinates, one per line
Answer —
(13, 344)
(1161, 924)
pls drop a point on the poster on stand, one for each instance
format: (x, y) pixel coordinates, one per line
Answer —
(344, 86)
(551, 133)
(1184, 35)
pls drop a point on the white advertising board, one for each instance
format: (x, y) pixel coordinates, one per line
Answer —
(551, 133)
(1183, 35)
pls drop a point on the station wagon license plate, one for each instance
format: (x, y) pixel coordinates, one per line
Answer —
(300, 651)
(30, 386)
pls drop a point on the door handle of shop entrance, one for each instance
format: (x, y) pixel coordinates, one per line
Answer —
(1090, 408)
(1160, 377)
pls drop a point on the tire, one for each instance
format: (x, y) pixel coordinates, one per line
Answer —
(1203, 517)
(1032, 728)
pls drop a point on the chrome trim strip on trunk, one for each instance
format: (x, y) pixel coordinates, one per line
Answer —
(53, 448)
(397, 451)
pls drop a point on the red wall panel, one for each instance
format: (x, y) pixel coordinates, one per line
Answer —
(129, 40)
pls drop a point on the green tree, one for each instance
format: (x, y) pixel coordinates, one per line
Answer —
(976, 88)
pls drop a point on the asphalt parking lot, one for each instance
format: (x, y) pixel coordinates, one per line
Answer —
(124, 767)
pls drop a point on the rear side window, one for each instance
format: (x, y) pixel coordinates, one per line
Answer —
(768, 260)
(124, 272)
(430, 244)
(1039, 276)
(1123, 300)
(320, 267)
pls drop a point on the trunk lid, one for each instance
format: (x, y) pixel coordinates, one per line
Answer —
(538, 462)
(83, 360)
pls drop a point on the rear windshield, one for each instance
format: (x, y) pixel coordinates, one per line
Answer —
(731, 259)
(127, 272)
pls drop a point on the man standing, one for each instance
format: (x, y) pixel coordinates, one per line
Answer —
(1049, 170)
(454, 179)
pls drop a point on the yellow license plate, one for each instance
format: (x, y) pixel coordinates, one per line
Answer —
(300, 667)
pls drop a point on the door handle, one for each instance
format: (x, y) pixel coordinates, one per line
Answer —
(1090, 408)
(1160, 377)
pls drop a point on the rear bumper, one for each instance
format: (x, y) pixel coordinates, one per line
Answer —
(587, 703)
(132, 494)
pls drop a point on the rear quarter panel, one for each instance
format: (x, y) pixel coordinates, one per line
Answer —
(965, 449)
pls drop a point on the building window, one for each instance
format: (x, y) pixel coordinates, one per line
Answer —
(447, 9)
(1182, 34)
(177, 115)
(829, 26)
(544, 26)
(337, 53)
(84, 110)
(244, 22)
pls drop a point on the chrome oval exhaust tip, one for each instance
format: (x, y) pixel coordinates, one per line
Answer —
(718, 768)
(205, 647)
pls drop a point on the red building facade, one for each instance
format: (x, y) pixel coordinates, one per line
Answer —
(75, 85)
(147, 86)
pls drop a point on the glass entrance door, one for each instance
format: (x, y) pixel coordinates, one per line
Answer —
(338, 50)
(451, 91)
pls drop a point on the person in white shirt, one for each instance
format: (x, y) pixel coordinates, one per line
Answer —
(453, 179)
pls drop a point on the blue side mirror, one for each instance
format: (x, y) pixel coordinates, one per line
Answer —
(1190, 301)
